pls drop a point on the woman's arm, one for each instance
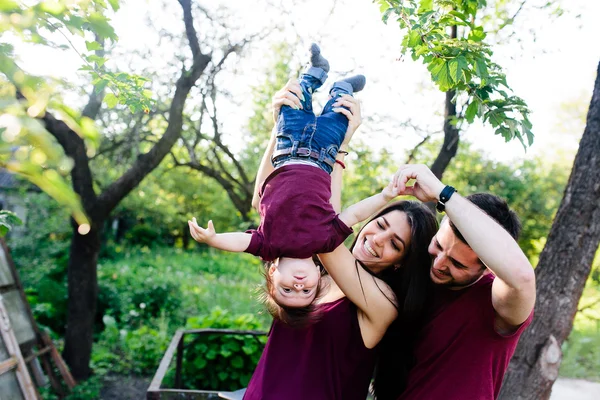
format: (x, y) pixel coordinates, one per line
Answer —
(354, 121)
(362, 210)
(287, 96)
(264, 170)
(373, 297)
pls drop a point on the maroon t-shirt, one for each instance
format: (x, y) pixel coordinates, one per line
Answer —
(297, 219)
(459, 355)
(324, 361)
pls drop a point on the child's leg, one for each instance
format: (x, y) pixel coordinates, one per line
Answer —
(345, 86)
(312, 79)
(294, 127)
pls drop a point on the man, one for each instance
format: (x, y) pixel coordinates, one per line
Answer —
(484, 296)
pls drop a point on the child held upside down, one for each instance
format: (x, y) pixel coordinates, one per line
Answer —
(297, 219)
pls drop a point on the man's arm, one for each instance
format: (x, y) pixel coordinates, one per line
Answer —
(513, 290)
(234, 241)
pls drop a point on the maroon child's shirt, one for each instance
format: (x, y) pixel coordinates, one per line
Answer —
(459, 355)
(297, 219)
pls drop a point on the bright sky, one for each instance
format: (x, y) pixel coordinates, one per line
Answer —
(558, 67)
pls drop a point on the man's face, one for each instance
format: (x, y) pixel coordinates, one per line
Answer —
(455, 264)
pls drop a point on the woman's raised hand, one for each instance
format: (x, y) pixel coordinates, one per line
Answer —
(289, 95)
(352, 113)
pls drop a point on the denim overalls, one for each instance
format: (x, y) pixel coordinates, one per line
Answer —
(303, 136)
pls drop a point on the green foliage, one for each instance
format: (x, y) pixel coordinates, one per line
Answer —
(221, 362)
(461, 63)
(7, 220)
(41, 256)
(86, 390)
(141, 283)
(24, 97)
(136, 351)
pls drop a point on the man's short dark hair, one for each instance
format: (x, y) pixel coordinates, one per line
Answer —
(497, 208)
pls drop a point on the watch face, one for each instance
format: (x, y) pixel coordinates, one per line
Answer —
(440, 207)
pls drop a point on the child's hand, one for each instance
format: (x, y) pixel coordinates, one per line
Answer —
(390, 191)
(200, 234)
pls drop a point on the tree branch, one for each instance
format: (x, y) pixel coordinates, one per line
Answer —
(145, 163)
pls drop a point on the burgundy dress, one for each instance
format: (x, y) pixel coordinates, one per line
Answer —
(324, 361)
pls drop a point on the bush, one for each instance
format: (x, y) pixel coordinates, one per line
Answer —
(125, 352)
(221, 362)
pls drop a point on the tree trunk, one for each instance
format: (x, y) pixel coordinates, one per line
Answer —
(562, 271)
(451, 138)
(82, 290)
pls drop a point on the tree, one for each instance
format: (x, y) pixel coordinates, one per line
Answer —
(562, 271)
(448, 36)
(84, 250)
(205, 150)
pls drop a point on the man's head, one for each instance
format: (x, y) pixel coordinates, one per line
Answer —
(455, 264)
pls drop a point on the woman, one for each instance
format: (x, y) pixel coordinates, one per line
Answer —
(385, 276)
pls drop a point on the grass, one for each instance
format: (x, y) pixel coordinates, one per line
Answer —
(200, 281)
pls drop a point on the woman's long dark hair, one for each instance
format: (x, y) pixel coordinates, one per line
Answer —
(410, 281)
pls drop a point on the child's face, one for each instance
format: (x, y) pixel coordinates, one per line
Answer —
(295, 281)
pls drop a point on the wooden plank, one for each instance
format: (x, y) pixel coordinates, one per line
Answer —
(164, 364)
(8, 365)
(58, 361)
(37, 354)
(12, 346)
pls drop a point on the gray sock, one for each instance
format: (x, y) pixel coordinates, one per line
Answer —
(316, 59)
(357, 82)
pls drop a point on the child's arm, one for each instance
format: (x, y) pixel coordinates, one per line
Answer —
(233, 241)
(365, 208)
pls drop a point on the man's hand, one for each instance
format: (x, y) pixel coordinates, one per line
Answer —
(427, 186)
(289, 95)
(353, 115)
(200, 234)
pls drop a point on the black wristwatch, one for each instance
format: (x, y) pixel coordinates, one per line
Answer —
(445, 195)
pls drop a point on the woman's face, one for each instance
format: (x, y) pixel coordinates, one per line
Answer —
(384, 241)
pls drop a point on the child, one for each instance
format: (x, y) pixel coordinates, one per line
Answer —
(297, 219)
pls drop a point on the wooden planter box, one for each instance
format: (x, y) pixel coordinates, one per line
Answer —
(176, 348)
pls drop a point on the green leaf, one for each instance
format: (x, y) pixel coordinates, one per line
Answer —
(477, 34)
(481, 68)
(456, 67)
(426, 5)
(237, 362)
(114, 4)
(414, 39)
(96, 59)
(472, 110)
(100, 86)
(52, 7)
(111, 100)
(93, 46)
(100, 25)
(440, 74)
(9, 6)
